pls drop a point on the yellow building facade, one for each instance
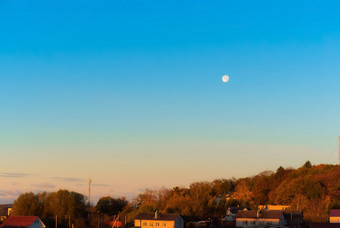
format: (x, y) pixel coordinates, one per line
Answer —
(334, 219)
(154, 224)
(334, 216)
(159, 220)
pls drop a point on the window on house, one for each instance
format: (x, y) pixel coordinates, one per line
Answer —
(157, 223)
(151, 224)
(164, 224)
(145, 223)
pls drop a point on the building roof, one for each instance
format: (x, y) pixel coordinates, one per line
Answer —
(260, 215)
(161, 216)
(334, 213)
(18, 221)
(234, 210)
(273, 207)
(114, 223)
(246, 214)
(293, 214)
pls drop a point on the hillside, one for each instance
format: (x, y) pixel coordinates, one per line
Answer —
(311, 188)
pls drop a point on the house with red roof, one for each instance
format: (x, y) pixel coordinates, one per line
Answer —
(14, 221)
(334, 216)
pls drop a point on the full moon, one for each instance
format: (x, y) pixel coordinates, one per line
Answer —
(225, 78)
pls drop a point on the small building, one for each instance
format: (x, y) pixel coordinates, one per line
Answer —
(22, 222)
(231, 213)
(159, 220)
(5, 211)
(293, 219)
(259, 218)
(334, 216)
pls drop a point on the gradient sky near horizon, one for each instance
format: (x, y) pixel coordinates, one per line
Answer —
(130, 94)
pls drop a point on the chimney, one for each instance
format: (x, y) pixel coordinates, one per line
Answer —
(156, 214)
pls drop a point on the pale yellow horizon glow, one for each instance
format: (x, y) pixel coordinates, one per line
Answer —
(147, 166)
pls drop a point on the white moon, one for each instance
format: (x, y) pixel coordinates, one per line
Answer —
(225, 78)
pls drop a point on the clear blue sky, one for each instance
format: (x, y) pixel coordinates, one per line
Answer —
(130, 92)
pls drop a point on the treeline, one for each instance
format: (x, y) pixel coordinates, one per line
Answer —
(67, 208)
(313, 189)
(64, 206)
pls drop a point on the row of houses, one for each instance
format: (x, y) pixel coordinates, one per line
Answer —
(280, 218)
(244, 218)
(277, 215)
(266, 216)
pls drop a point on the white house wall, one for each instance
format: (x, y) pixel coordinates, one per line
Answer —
(179, 222)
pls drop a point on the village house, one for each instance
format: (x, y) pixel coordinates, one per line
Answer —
(5, 211)
(334, 216)
(232, 211)
(159, 220)
(22, 222)
(259, 218)
(293, 219)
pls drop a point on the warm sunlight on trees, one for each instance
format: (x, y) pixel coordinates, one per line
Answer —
(67, 206)
(27, 204)
(312, 189)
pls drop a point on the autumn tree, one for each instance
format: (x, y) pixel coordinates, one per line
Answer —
(79, 205)
(260, 190)
(179, 201)
(308, 164)
(28, 204)
(60, 203)
(110, 206)
(200, 196)
(221, 186)
(242, 192)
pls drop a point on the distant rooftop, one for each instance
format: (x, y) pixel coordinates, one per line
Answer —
(161, 216)
(18, 221)
(334, 213)
(263, 214)
(324, 225)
